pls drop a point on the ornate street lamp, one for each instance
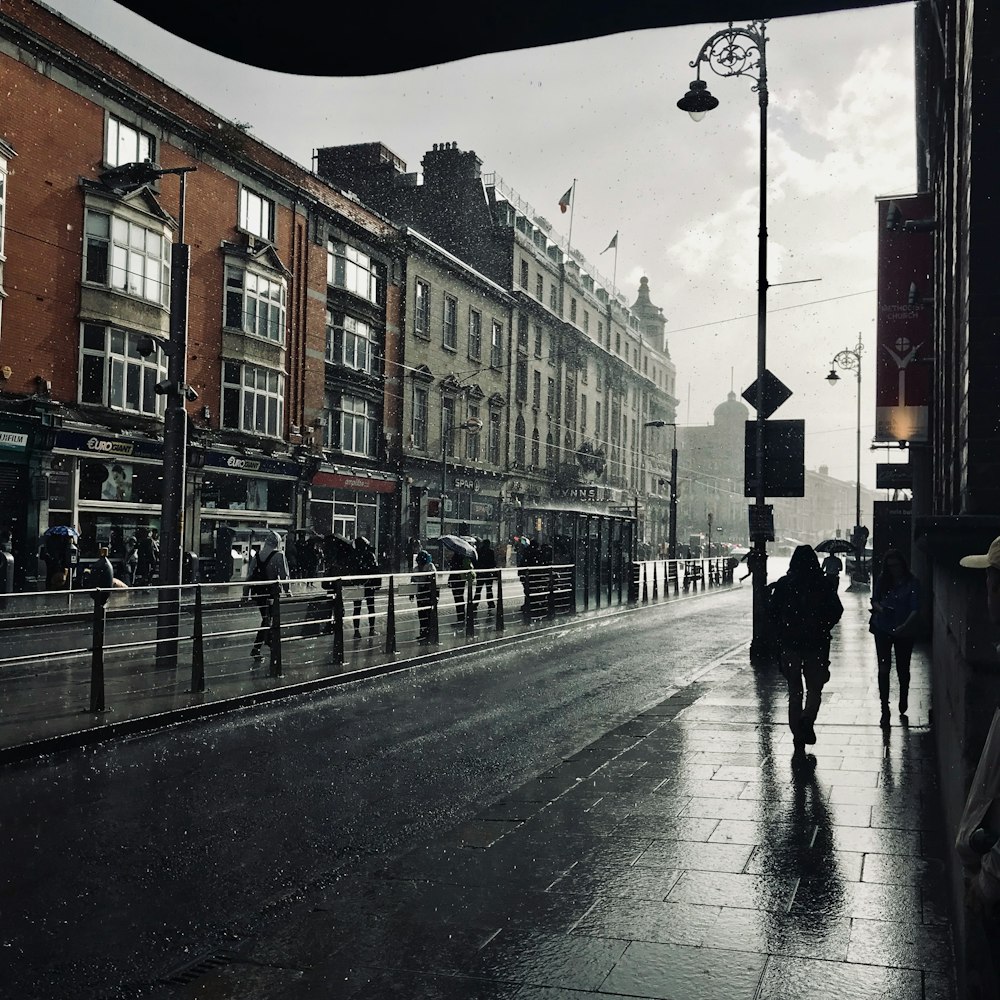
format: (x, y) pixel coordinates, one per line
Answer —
(672, 530)
(742, 52)
(849, 360)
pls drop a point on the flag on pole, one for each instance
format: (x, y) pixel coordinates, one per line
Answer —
(564, 201)
(612, 245)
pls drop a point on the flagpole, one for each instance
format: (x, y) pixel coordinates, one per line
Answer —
(614, 273)
(572, 205)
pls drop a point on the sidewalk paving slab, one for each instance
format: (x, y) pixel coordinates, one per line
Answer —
(684, 855)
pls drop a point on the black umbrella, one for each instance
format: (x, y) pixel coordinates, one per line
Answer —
(834, 545)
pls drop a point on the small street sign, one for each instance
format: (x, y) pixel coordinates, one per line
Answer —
(775, 393)
(762, 522)
(893, 476)
(784, 458)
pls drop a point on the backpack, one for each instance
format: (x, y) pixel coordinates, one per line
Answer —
(258, 575)
(804, 617)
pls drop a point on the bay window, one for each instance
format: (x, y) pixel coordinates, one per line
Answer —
(114, 374)
(351, 424)
(255, 303)
(126, 256)
(252, 398)
(354, 271)
(351, 342)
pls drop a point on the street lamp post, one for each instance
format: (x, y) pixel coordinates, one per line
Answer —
(672, 537)
(130, 177)
(473, 425)
(849, 359)
(741, 52)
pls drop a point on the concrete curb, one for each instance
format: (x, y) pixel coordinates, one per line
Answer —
(191, 713)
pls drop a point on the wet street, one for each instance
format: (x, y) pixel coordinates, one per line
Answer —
(612, 809)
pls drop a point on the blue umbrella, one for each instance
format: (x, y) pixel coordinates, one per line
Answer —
(62, 529)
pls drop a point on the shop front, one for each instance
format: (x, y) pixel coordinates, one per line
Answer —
(15, 493)
(357, 505)
(108, 487)
(239, 498)
(590, 527)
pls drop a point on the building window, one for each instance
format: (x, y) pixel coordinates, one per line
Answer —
(114, 374)
(352, 343)
(538, 341)
(354, 271)
(535, 449)
(536, 390)
(494, 436)
(475, 335)
(524, 273)
(351, 425)
(553, 350)
(553, 298)
(448, 424)
(597, 419)
(600, 332)
(572, 310)
(519, 441)
(550, 398)
(586, 321)
(521, 382)
(252, 398)
(600, 378)
(449, 325)
(570, 402)
(128, 257)
(645, 366)
(472, 437)
(539, 287)
(256, 214)
(585, 370)
(127, 144)
(496, 345)
(618, 342)
(522, 334)
(419, 424)
(422, 309)
(550, 452)
(255, 303)
(583, 415)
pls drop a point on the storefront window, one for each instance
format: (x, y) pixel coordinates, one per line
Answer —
(120, 482)
(227, 492)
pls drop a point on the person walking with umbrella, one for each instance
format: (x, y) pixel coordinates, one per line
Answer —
(57, 553)
(803, 610)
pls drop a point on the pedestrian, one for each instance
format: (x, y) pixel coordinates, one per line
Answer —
(292, 555)
(145, 556)
(365, 562)
(461, 565)
(309, 559)
(267, 567)
(803, 610)
(425, 582)
(895, 613)
(486, 573)
(102, 573)
(529, 558)
(832, 568)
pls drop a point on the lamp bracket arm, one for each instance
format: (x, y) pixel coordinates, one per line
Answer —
(737, 52)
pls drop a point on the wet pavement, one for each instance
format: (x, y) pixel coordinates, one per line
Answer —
(685, 854)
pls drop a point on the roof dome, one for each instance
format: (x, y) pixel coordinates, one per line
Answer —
(732, 411)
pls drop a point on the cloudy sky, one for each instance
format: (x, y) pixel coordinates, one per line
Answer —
(682, 195)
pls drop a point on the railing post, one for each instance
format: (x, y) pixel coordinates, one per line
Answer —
(390, 620)
(552, 595)
(470, 611)
(338, 621)
(572, 590)
(621, 574)
(586, 578)
(97, 651)
(645, 582)
(275, 665)
(435, 624)
(500, 626)
(704, 573)
(198, 645)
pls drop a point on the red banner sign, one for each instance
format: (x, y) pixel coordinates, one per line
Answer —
(904, 329)
(363, 484)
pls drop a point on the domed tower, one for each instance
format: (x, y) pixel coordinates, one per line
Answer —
(731, 415)
(652, 322)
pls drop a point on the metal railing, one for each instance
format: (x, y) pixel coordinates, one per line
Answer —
(145, 650)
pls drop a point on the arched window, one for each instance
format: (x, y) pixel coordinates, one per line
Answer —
(550, 451)
(535, 448)
(519, 441)
(568, 444)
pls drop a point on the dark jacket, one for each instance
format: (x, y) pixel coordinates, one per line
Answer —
(803, 609)
(102, 574)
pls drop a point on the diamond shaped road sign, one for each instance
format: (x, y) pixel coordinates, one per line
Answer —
(775, 393)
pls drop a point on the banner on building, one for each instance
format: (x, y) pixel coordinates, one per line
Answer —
(904, 327)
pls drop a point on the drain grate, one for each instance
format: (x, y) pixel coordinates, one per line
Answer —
(191, 971)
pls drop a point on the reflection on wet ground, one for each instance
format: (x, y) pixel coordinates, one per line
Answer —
(685, 855)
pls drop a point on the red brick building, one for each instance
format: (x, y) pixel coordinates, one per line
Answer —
(293, 311)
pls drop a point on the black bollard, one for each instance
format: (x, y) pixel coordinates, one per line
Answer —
(499, 624)
(390, 621)
(97, 651)
(275, 665)
(198, 645)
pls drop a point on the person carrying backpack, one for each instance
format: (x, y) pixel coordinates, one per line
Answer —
(267, 567)
(803, 610)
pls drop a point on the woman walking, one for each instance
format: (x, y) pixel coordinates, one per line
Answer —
(803, 610)
(895, 611)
